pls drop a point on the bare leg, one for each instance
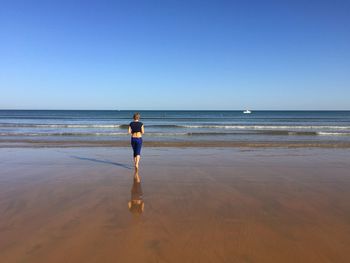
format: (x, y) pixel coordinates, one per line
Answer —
(137, 160)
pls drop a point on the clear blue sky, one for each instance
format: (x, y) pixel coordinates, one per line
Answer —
(68, 54)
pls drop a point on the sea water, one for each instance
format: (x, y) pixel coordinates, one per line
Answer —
(112, 125)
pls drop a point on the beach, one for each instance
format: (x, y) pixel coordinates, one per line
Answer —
(176, 144)
(201, 204)
(175, 132)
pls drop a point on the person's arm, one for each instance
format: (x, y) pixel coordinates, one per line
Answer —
(129, 130)
(142, 129)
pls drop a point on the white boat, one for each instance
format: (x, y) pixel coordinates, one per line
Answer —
(247, 112)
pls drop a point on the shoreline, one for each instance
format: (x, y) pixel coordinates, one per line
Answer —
(174, 144)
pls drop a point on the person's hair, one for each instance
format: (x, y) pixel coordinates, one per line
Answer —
(136, 116)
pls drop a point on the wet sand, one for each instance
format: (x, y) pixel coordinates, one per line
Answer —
(200, 205)
(27, 143)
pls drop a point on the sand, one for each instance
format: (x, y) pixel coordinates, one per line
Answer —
(200, 205)
(28, 143)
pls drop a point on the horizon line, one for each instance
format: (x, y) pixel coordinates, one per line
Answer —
(175, 109)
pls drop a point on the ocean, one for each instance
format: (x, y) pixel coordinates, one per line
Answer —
(183, 126)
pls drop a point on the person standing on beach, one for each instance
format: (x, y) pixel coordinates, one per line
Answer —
(136, 129)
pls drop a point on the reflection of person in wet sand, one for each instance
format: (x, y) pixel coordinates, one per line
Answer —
(136, 204)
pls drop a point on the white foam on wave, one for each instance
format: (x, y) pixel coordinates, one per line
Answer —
(266, 127)
(61, 125)
(64, 134)
(334, 133)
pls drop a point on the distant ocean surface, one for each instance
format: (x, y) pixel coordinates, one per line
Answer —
(271, 126)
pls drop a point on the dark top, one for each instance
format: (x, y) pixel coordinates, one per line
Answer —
(135, 126)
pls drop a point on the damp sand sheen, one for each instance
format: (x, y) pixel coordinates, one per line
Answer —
(200, 205)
